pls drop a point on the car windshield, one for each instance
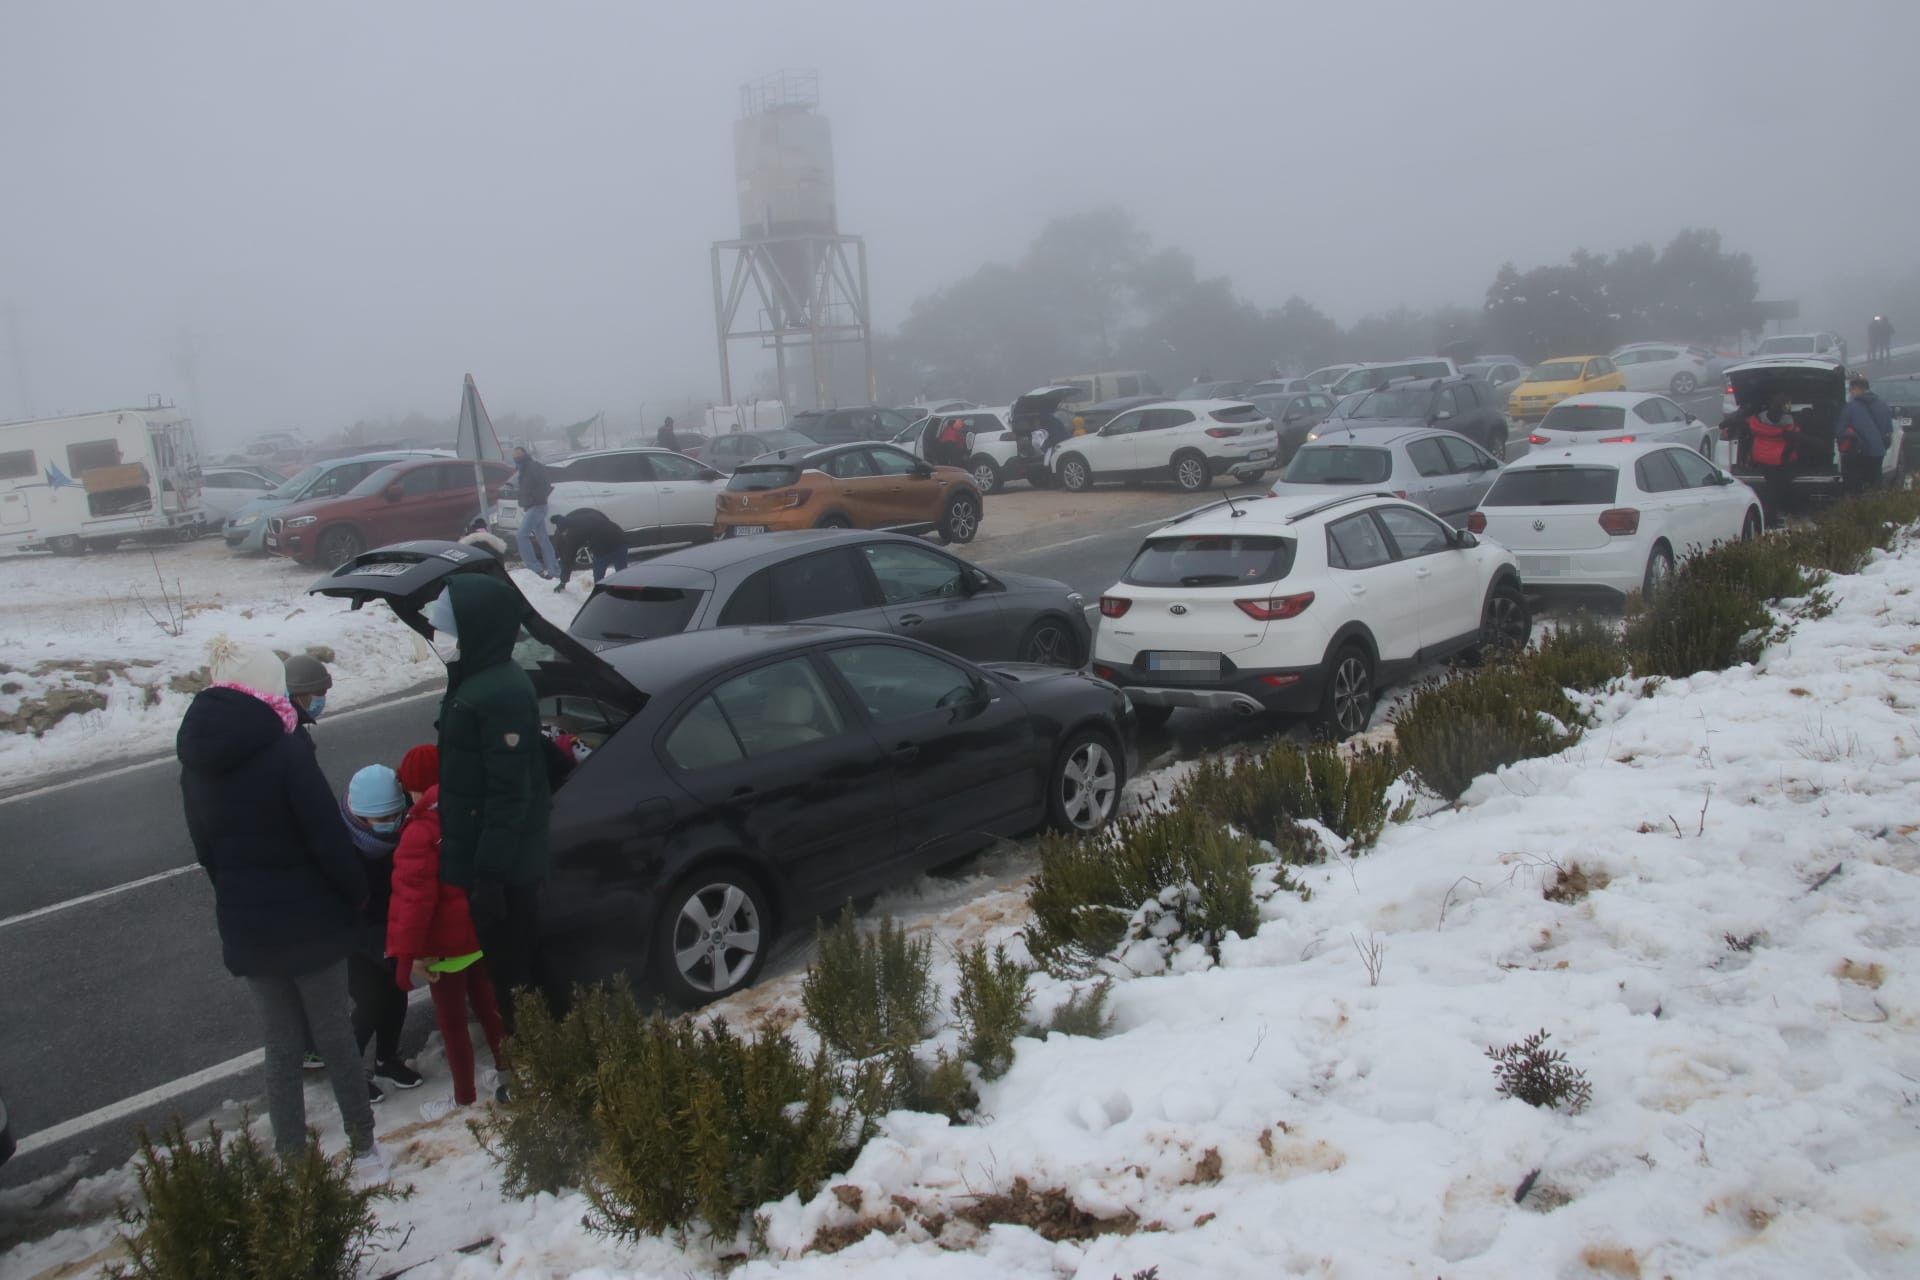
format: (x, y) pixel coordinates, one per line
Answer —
(1785, 347)
(1210, 560)
(375, 482)
(1899, 390)
(1555, 371)
(635, 613)
(1395, 402)
(1584, 417)
(754, 477)
(293, 486)
(1554, 487)
(1338, 464)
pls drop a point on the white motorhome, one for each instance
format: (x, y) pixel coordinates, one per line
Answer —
(91, 479)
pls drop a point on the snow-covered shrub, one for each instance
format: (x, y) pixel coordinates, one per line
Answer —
(1454, 730)
(1700, 622)
(1578, 651)
(991, 1007)
(1844, 536)
(1268, 796)
(869, 993)
(1539, 1076)
(230, 1207)
(700, 1126)
(1088, 892)
(1084, 1013)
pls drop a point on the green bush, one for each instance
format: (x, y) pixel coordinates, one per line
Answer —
(1579, 652)
(869, 993)
(698, 1125)
(1454, 730)
(1698, 625)
(991, 1007)
(1084, 1013)
(1269, 794)
(1088, 891)
(230, 1207)
(543, 1138)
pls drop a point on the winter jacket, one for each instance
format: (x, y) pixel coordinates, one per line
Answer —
(376, 859)
(1775, 443)
(493, 778)
(1865, 426)
(429, 917)
(263, 821)
(536, 486)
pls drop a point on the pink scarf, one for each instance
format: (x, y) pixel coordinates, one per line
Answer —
(281, 704)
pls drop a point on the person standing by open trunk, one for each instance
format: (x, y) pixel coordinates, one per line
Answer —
(1774, 447)
(1863, 434)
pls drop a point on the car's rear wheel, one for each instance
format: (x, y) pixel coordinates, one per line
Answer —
(1683, 384)
(339, 545)
(986, 473)
(1190, 472)
(1659, 571)
(833, 522)
(1751, 527)
(1083, 792)
(712, 936)
(1346, 702)
(1075, 475)
(66, 544)
(962, 520)
(1049, 643)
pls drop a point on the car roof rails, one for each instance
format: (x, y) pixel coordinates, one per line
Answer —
(1319, 507)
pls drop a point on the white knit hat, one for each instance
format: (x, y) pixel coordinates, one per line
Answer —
(251, 666)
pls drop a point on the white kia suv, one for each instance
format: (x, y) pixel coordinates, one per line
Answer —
(1266, 605)
(1188, 442)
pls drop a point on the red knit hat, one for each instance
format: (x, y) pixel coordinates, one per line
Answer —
(420, 768)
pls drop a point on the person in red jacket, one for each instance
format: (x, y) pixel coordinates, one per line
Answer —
(431, 937)
(1774, 447)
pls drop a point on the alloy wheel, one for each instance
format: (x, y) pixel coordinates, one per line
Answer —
(1089, 785)
(1352, 694)
(1075, 475)
(717, 937)
(985, 476)
(963, 519)
(1506, 625)
(1049, 646)
(1191, 474)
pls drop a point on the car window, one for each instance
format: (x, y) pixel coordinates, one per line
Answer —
(1584, 417)
(896, 684)
(1447, 400)
(703, 738)
(627, 468)
(1338, 464)
(889, 461)
(907, 573)
(1695, 471)
(751, 604)
(1468, 395)
(1427, 458)
(779, 707)
(1656, 473)
(894, 421)
(1356, 543)
(1462, 457)
(850, 465)
(1649, 411)
(635, 613)
(1413, 532)
(340, 479)
(1125, 424)
(420, 480)
(1161, 419)
(1210, 560)
(671, 466)
(816, 586)
(1553, 486)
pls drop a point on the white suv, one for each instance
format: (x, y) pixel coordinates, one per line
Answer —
(1189, 442)
(1263, 605)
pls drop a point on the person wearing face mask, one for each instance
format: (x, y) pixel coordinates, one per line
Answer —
(374, 809)
(494, 800)
(307, 683)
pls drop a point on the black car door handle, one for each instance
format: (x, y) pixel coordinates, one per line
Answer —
(911, 619)
(904, 752)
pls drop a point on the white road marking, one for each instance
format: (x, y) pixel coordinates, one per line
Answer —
(96, 895)
(160, 760)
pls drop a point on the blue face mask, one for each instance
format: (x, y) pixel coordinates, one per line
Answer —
(385, 826)
(318, 705)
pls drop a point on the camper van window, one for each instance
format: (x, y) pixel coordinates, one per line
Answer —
(89, 454)
(18, 465)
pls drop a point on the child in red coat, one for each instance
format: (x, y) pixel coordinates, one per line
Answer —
(431, 937)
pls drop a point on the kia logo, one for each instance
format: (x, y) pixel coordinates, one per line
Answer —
(1539, 526)
(1176, 608)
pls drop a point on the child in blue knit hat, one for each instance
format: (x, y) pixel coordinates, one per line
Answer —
(374, 808)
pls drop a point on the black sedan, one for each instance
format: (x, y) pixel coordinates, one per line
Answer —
(847, 578)
(719, 787)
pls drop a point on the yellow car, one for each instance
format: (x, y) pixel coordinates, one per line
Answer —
(1552, 381)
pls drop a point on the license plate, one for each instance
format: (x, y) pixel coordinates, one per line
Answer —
(1260, 453)
(385, 569)
(1187, 662)
(272, 541)
(742, 530)
(1543, 566)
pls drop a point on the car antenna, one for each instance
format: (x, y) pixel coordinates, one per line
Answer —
(1237, 512)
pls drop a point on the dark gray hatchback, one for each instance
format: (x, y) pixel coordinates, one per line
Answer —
(847, 578)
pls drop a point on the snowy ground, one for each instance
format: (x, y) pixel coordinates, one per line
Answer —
(126, 625)
(1740, 982)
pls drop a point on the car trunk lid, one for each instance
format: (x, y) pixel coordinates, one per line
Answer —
(1551, 508)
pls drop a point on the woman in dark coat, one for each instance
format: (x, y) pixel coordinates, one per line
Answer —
(286, 883)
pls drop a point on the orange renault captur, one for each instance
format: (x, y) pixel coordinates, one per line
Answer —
(864, 485)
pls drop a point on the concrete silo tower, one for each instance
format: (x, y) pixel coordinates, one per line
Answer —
(801, 283)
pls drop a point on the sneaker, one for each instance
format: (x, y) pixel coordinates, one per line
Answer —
(312, 1063)
(373, 1090)
(500, 1093)
(398, 1074)
(559, 586)
(370, 1167)
(435, 1109)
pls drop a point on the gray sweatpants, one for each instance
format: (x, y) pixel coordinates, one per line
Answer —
(289, 1007)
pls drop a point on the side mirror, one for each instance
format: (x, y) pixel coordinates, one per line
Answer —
(921, 471)
(1442, 415)
(393, 492)
(1464, 540)
(708, 473)
(1691, 418)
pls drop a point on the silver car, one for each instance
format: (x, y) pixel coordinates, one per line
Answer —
(1446, 473)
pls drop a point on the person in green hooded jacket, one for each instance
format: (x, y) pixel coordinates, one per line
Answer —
(494, 801)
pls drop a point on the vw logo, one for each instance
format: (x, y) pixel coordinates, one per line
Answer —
(1539, 526)
(1176, 608)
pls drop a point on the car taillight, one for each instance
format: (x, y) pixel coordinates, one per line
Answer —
(1477, 522)
(1222, 433)
(1538, 439)
(1617, 439)
(1105, 673)
(1114, 606)
(1400, 494)
(1729, 391)
(1620, 521)
(1276, 608)
(792, 497)
(721, 502)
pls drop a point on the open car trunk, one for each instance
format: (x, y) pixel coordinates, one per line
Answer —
(1818, 391)
(580, 694)
(1036, 411)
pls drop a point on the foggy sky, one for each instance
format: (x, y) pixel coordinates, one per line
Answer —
(340, 208)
